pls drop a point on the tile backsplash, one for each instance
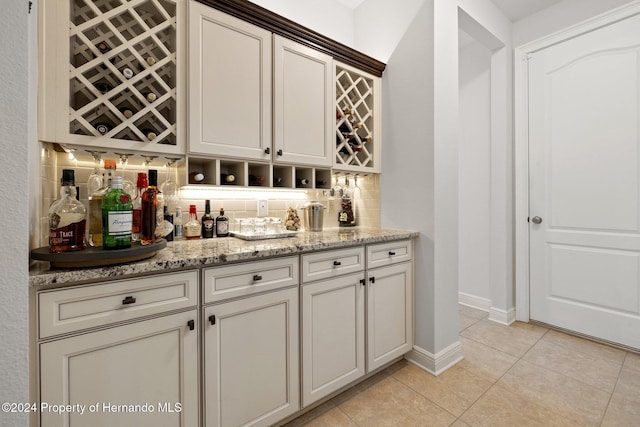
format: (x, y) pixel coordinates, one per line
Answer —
(236, 204)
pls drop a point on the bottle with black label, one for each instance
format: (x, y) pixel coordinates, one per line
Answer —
(222, 225)
(168, 225)
(207, 221)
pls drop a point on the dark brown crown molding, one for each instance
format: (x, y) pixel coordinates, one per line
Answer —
(280, 25)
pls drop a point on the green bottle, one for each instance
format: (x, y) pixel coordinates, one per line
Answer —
(117, 217)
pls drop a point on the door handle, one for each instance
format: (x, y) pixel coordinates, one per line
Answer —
(536, 220)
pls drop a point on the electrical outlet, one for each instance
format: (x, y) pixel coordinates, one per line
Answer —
(263, 207)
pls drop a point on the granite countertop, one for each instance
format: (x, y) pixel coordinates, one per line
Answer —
(210, 252)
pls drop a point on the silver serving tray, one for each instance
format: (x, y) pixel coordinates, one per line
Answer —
(263, 236)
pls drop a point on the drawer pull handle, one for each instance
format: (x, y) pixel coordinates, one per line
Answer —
(191, 324)
(372, 279)
(391, 253)
(212, 319)
(257, 277)
(128, 300)
(337, 263)
(279, 152)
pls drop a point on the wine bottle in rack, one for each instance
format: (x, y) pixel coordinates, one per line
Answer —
(102, 128)
(150, 96)
(127, 72)
(103, 86)
(256, 179)
(150, 60)
(150, 134)
(196, 178)
(302, 181)
(227, 178)
(103, 47)
(277, 181)
(126, 112)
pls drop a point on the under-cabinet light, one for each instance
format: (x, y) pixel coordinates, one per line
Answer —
(200, 192)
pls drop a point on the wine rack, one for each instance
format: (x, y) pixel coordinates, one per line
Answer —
(357, 120)
(119, 82)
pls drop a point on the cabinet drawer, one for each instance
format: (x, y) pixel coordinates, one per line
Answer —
(82, 307)
(249, 278)
(383, 254)
(328, 264)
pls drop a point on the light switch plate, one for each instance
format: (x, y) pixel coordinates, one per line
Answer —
(263, 207)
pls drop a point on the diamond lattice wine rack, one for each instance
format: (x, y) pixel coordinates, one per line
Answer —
(121, 78)
(357, 104)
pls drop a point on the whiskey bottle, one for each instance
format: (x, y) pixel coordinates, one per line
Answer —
(191, 228)
(67, 218)
(117, 217)
(141, 187)
(222, 225)
(95, 204)
(207, 221)
(150, 210)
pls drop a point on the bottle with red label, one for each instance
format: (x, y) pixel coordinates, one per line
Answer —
(67, 218)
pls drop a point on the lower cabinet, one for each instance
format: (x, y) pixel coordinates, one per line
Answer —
(139, 374)
(333, 329)
(251, 362)
(389, 314)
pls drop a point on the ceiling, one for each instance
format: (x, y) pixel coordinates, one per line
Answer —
(513, 9)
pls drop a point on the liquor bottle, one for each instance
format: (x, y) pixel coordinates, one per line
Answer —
(168, 225)
(177, 224)
(150, 210)
(117, 217)
(222, 225)
(227, 178)
(67, 218)
(141, 187)
(95, 204)
(192, 227)
(196, 178)
(346, 216)
(207, 221)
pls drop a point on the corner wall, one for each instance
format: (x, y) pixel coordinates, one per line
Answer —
(15, 123)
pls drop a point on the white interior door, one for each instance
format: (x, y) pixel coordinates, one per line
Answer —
(584, 151)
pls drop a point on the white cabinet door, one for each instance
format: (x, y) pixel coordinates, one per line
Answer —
(389, 314)
(303, 93)
(153, 364)
(229, 85)
(251, 360)
(332, 335)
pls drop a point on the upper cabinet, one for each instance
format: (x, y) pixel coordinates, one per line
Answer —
(303, 102)
(110, 75)
(229, 85)
(357, 120)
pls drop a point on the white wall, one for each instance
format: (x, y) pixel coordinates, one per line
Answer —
(328, 17)
(14, 180)
(475, 175)
(559, 17)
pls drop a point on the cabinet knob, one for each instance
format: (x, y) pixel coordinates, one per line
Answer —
(279, 152)
(363, 282)
(372, 279)
(128, 300)
(257, 277)
(391, 253)
(267, 150)
(337, 263)
(191, 324)
(212, 319)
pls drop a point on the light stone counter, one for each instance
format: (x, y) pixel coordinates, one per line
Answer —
(217, 251)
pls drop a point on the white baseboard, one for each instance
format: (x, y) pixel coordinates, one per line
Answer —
(473, 301)
(436, 364)
(501, 316)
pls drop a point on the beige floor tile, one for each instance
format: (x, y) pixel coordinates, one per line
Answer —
(465, 310)
(466, 321)
(311, 415)
(500, 407)
(628, 386)
(622, 413)
(454, 390)
(391, 403)
(460, 423)
(566, 396)
(333, 418)
(485, 361)
(576, 364)
(632, 361)
(601, 351)
(516, 339)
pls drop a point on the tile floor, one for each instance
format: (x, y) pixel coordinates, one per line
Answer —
(521, 375)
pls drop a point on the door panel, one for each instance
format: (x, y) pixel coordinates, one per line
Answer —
(584, 123)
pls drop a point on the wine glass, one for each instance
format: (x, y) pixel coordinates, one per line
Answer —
(94, 182)
(127, 185)
(148, 160)
(169, 187)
